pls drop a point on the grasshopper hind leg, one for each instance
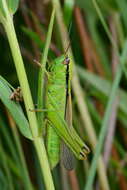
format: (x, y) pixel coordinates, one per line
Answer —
(52, 145)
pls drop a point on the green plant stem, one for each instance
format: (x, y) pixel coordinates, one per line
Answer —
(104, 127)
(10, 31)
(42, 70)
(41, 151)
(104, 24)
(40, 148)
(80, 98)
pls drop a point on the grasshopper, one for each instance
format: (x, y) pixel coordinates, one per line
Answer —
(57, 98)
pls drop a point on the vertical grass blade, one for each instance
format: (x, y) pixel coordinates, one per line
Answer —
(6, 168)
(104, 127)
(42, 71)
(38, 141)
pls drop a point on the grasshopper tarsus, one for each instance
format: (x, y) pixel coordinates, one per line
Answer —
(17, 95)
(84, 152)
(83, 156)
(86, 149)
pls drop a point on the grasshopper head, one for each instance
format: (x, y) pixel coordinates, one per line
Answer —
(59, 64)
(66, 60)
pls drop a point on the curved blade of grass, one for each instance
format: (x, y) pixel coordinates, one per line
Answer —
(13, 167)
(122, 7)
(21, 159)
(3, 181)
(15, 109)
(11, 159)
(68, 11)
(5, 133)
(15, 159)
(104, 86)
(104, 127)
(40, 103)
(33, 36)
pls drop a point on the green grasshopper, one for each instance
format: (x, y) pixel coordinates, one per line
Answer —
(57, 98)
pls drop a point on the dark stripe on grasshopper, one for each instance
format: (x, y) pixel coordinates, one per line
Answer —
(68, 159)
(67, 62)
(85, 150)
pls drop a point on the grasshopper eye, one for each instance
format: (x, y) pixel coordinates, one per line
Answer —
(66, 60)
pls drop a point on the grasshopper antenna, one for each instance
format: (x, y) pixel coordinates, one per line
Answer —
(69, 44)
(67, 48)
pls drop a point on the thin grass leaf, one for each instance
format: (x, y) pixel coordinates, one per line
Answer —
(8, 140)
(18, 164)
(68, 11)
(2, 13)
(2, 179)
(104, 127)
(104, 86)
(41, 75)
(13, 166)
(33, 36)
(109, 5)
(15, 110)
(6, 168)
(99, 44)
(22, 162)
(122, 5)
